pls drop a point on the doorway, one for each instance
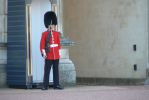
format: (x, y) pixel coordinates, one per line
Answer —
(38, 9)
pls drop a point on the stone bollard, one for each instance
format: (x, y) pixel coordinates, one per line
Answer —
(67, 70)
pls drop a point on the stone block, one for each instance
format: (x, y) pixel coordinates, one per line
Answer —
(109, 81)
(2, 7)
(6, 7)
(68, 78)
(146, 82)
(3, 38)
(2, 75)
(5, 23)
(147, 72)
(3, 55)
(67, 73)
(2, 23)
(64, 53)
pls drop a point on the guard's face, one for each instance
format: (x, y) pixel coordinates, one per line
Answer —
(52, 27)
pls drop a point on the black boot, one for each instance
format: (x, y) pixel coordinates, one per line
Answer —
(44, 88)
(58, 87)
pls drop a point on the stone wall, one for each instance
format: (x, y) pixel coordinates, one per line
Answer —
(3, 40)
(106, 33)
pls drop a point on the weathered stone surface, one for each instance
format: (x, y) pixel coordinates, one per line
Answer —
(5, 23)
(3, 34)
(3, 55)
(2, 23)
(105, 32)
(64, 53)
(2, 7)
(67, 72)
(6, 7)
(110, 81)
(2, 76)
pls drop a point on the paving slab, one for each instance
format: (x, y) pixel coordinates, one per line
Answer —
(79, 93)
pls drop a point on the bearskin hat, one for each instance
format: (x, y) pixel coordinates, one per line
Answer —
(50, 18)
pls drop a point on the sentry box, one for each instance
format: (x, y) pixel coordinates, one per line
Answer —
(25, 64)
(25, 25)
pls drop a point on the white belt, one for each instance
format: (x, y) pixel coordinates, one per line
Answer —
(53, 45)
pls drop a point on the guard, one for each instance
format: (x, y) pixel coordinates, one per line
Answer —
(49, 47)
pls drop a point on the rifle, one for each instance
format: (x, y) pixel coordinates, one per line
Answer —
(47, 44)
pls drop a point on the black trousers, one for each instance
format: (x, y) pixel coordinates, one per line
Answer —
(47, 68)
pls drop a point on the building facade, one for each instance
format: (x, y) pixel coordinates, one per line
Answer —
(111, 40)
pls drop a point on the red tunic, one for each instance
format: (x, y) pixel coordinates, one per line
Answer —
(54, 40)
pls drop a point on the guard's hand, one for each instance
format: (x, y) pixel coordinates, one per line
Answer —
(44, 53)
(60, 52)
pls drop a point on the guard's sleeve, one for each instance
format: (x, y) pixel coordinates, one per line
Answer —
(59, 42)
(42, 42)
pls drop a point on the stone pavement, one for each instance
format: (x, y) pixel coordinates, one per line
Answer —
(79, 93)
